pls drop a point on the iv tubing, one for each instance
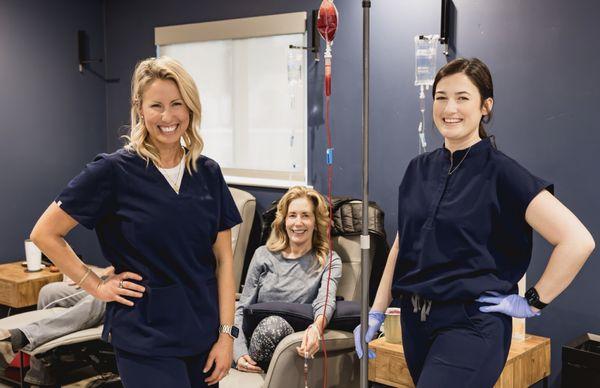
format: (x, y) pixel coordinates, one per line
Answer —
(327, 57)
(66, 297)
(327, 32)
(330, 202)
(421, 128)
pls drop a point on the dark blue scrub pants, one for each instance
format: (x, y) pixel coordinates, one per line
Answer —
(160, 372)
(456, 346)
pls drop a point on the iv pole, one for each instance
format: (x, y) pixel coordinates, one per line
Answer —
(364, 238)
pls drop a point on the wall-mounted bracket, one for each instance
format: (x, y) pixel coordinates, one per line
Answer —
(315, 38)
(82, 54)
(448, 18)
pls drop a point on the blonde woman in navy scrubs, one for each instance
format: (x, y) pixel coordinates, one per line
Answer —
(163, 214)
(465, 218)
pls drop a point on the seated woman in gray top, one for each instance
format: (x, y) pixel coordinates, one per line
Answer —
(293, 267)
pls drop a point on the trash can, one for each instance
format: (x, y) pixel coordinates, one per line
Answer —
(581, 362)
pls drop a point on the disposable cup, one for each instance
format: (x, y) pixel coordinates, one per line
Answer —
(33, 255)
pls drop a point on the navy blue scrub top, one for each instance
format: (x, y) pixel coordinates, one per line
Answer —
(464, 233)
(145, 227)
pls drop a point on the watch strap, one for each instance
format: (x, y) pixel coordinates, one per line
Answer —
(230, 330)
(533, 299)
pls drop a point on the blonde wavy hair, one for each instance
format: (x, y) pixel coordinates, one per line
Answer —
(279, 240)
(138, 140)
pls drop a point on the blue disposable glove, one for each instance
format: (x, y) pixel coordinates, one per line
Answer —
(514, 305)
(375, 321)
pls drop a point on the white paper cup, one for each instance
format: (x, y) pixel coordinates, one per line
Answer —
(33, 255)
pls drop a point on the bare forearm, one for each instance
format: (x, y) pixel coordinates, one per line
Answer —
(63, 256)
(383, 297)
(226, 289)
(572, 242)
(564, 264)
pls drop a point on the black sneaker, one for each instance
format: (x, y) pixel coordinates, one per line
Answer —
(39, 373)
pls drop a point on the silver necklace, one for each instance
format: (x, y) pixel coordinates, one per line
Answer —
(450, 170)
(174, 183)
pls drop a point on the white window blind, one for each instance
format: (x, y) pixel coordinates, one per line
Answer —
(253, 95)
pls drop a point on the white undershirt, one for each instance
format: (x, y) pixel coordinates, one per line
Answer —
(171, 174)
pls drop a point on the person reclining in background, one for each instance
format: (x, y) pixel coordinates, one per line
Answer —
(82, 311)
(292, 267)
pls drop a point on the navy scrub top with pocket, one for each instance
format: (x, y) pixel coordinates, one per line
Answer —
(145, 227)
(464, 233)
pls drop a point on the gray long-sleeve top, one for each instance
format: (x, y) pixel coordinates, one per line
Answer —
(274, 278)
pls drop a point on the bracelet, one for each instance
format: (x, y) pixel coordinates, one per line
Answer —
(87, 273)
(101, 282)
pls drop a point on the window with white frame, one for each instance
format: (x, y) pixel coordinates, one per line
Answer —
(253, 93)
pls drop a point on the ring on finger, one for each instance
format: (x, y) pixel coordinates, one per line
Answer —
(121, 284)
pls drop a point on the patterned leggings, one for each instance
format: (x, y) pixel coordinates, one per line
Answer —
(265, 338)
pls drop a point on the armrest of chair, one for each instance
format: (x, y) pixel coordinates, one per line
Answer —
(286, 365)
(94, 333)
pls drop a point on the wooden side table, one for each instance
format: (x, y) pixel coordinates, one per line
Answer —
(528, 362)
(19, 288)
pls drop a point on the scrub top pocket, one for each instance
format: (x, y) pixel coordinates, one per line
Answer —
(169, 312)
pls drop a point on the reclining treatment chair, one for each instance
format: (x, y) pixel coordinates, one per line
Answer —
(287, 368)
(86, 344)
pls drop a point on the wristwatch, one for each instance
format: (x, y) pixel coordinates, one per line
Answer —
(231, 330)
(533, 299)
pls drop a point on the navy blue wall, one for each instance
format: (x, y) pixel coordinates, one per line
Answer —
(52, 117)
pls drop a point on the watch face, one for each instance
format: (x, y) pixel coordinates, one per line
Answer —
(530, 296)
(235, 331)
(533, 299)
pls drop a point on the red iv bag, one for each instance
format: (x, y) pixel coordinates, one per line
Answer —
(327, 20)
(327, 25)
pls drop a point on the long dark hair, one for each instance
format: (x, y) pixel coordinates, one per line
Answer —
(479, 74)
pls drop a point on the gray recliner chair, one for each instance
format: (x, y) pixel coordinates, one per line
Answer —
(240, 234)
(287, 368)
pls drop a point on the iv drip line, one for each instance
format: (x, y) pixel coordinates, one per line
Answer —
(61, 299)
(425, 61)
(422, 146)
(327, 23)
(295, 60)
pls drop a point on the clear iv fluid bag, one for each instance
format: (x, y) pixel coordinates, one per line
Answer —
(425, 59)
(294, 66)
(294, 72)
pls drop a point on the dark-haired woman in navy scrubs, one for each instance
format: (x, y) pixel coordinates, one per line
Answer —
(465, 218)
(163, 214)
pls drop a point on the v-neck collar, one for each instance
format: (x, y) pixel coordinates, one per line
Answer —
(165, 180)
(160, 178)
(178, 181)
